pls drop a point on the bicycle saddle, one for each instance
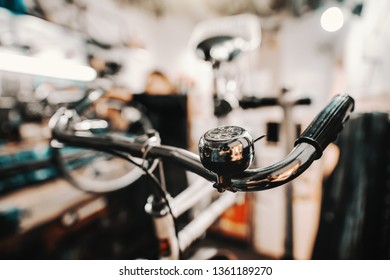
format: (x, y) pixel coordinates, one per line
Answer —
(219, 49)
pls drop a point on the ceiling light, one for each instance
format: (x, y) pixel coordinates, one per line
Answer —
(332, 19)
(60, 69)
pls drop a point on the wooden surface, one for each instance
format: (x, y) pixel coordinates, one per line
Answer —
(43, 203)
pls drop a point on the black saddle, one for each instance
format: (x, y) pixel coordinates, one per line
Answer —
(219, 49)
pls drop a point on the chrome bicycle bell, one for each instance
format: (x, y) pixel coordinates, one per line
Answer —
(226, 151)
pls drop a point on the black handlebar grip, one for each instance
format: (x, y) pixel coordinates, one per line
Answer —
(254, 102)
(303, 101)
(328, 123)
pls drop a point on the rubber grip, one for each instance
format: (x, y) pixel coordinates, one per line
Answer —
(254, 102)
(329, 122)
(303, 101)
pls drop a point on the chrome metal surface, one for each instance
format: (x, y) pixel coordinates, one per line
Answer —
(250, 180)
(277, 174)
(226, 150)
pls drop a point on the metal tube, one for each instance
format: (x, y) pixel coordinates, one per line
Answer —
(201, 223)
(289, 136)
(268, 177)
(250, 180)
(190, 196)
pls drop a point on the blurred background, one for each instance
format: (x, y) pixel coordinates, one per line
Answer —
(153, 59)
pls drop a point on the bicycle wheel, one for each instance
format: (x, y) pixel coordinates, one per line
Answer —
(101, 172)
(95, 171)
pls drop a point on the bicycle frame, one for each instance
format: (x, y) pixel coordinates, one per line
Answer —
(172, 243)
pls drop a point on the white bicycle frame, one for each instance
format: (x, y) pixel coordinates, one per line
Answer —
(172, 243)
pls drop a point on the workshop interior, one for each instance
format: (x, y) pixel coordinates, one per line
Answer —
(150, 129)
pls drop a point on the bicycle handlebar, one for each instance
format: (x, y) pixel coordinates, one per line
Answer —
(327, 125)
(308, 148)
(255, 102)
(88, 99)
